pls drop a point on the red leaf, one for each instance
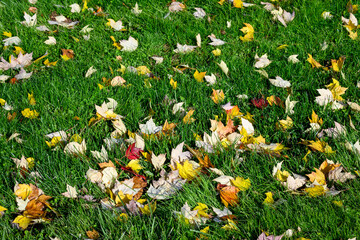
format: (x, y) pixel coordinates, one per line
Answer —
(133, 152)
(259, 102)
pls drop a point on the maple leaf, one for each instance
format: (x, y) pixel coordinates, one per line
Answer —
(217, 96)
(223, 67)
(279, 82)
(215, 41)
(320, 146)
(70, 192)
(184, 48)
(228, 195)
(286, 124)
(260, 103)
(136, 9)
(336, 89)
(188, 119)
(313, 62)
(2, 210)
(337, 64)
(188, 169)
(117, 26)
(261, 62)
(176, 7)
(200, 13)
(135, 165)
(129, 45)
(315, 191)
(241, 183)
(31, 114)
(238, 3)
(158, 161)
(269, 198)
(22, 222)
(249, 33)
(294, 182)
(133, 152)
(67, 54)
(317, 176)
(199, 76)
(173, 83)
(216, 52)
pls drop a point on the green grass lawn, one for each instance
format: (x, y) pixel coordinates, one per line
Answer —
(66, 99)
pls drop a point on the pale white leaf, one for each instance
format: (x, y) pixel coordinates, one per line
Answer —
(75, 8)
(50, 41)
(129, 45)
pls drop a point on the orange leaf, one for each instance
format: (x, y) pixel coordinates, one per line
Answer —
(228, 194)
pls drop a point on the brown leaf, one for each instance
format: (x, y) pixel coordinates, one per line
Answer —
(93, 234)
(11, 116)
(34, 209)
(139, 182)
(106, 164)
(68, 52)
(33, 9)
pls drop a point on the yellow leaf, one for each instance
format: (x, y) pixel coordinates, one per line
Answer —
(121, 198)
(231, 225)
(23, 191)
(221, 2)
(32, 114)
(282, 175)
(249, 33)
(241, 183)
(2, 102)
(65, 57)
(135, 165)
(238, 3)
(269, 198)
(337, 64)
(202, 208)
(217, 96)
(123, 217)
(31, 98)
(338, 203)
(54, 141)
(22, 221)
(320, 146)
(199, 76)
(19, 50)
(313, 62)
(318, 175)
(148, 209)
(315, 191)
(173, 83)
(315, 118)
(353, 35)
(205, 230)
(100, 86)
(216, 52)
(31, 162)
(336, 89)
(7, 34)
(142, 70)
(282, 47)
(2, 210)
(305, 157)
(186, 170)
(188, 119)
(286, 124)
(49, 64)
(85, 5)
(76, 138)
